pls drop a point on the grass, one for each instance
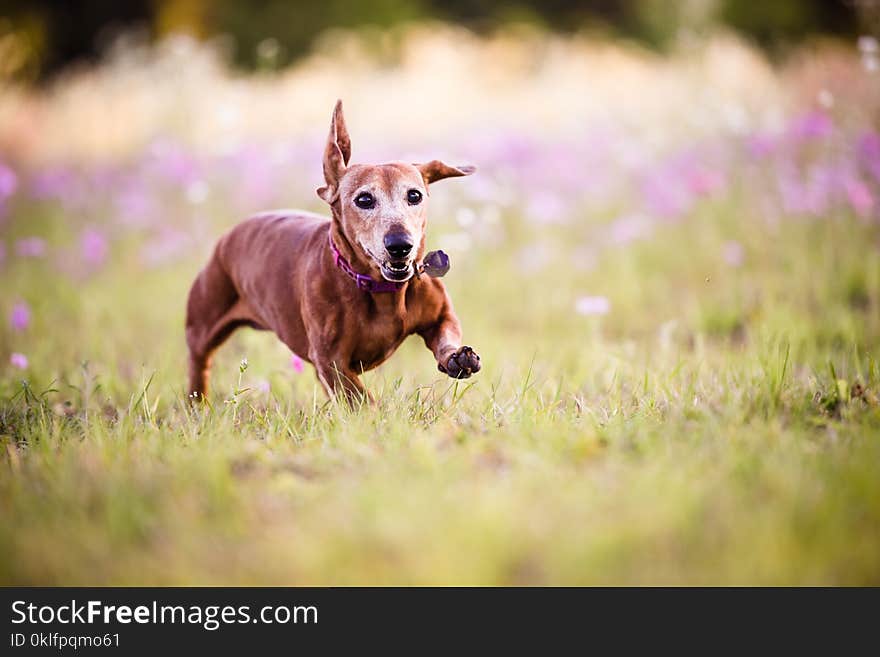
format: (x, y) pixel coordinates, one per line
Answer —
(719, 426)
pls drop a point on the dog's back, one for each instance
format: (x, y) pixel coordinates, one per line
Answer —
(251, 280)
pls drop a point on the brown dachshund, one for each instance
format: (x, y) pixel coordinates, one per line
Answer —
(343, 293)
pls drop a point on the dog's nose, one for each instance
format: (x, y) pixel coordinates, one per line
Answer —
(398, 245)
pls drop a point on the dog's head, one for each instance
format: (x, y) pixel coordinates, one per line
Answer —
(380, 209)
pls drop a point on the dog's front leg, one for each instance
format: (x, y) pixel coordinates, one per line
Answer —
(341, 382)
(444, 339)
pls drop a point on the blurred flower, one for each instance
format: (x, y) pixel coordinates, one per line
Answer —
(630, 228)
(135, 204)
(8, 182)
(595, 305)
(704, 181)
(69, 187)
(760, 146)
(665, 197)
(19, 361)
(810, 195)
(256, 181)
(53, 184)
(172, 163)
(859, 196)
(811, 126)
(263, 386)
(733, 253)
(31, 247)
(869, 153)
(297, 363)
(93, 246)
(20, 317)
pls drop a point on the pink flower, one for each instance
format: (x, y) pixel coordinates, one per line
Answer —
(8, 181)
(31, 247)
(592, 306)
(859, 196)
(93, 245)
(811, 126)
(869, 153)
(630, 228)
(20, 317)
(18, 360)
(297, 363)
(760, 146)
(733, 253)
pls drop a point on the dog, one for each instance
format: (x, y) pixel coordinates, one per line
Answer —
(342, 292)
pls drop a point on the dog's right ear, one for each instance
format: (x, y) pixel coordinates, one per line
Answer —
(337, 153)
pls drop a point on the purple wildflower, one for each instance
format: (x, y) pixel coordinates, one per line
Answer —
(20, 317)
(859, 195)
(19, 361)
(31, 247)
(93, 246)
(760, 146)
(8, 182)
(171, 162)
(630, 228)
(134, 203)
(733, 253)
(665, 197)
(869, 153)
(812, 126)
(297, 363)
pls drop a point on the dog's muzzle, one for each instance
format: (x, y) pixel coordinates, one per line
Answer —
(399, 266)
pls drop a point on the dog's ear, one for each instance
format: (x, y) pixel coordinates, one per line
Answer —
(337, 153)
(436, 170)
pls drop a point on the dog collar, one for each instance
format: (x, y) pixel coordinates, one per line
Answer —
(363, 282)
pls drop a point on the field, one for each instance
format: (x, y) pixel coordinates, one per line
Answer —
(669, 265)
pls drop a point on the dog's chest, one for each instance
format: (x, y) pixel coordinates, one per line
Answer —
(379, 338)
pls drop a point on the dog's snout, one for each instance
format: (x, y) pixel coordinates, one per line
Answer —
(398, 245)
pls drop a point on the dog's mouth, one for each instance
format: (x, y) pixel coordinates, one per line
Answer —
(396, 272)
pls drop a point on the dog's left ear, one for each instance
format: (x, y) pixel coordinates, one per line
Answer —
(337, 153)
(436, 170)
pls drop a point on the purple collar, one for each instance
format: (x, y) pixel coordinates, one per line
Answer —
(365, 283)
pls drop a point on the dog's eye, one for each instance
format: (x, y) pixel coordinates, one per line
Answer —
(365, 201)
(414, 197)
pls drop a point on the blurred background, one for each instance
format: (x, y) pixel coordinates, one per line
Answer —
(42, 37)
(669, 261)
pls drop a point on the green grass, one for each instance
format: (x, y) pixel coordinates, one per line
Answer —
(708, 430)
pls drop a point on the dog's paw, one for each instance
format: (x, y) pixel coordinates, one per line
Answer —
(462, 363)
